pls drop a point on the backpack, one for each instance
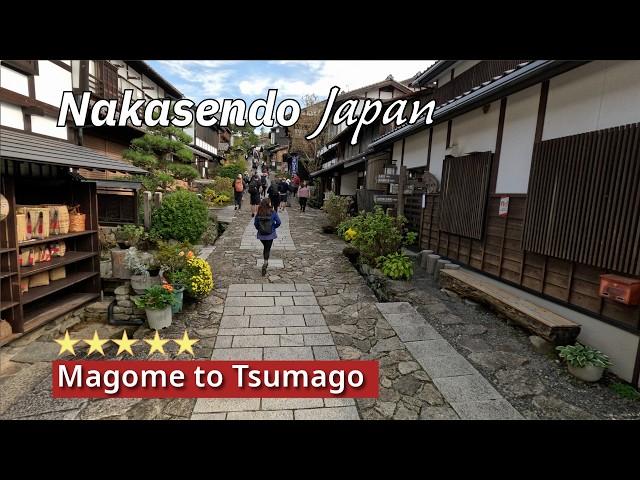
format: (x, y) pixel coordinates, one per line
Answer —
(239, 186)
(263, 181)
(253, 187)
(265, 225)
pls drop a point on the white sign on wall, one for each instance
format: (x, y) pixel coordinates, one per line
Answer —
(503, 210)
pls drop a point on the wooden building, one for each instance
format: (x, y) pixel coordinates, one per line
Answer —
(539, 164)
(348, 169)
(48, 266)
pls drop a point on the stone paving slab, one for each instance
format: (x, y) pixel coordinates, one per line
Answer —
(327, 413)
(461, 385)
(499, 409)
(287, 325)
(273, 263)
(261, 415)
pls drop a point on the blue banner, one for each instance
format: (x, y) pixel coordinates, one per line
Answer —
(294, 165)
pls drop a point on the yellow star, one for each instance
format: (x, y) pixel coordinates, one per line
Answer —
(66, 344)
(186, 344)
(124, 344)
(156, 344)
(95, 344)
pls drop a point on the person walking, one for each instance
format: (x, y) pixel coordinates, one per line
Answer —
(283, 188)
(263, 185)
(254, 192)
(274, 194)
(238, 190)
(303, 196)
(266, 223)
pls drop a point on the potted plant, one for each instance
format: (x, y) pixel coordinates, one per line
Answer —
(173, 256)
(128, 235)
(142, 265)
(584, 362)
(157, 301)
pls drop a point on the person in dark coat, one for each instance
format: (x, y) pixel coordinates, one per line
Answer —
(266, 223)
(274, 194)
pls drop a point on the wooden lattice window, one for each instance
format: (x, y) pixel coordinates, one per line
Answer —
(464, 190)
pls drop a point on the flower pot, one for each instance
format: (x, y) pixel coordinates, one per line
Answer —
(588, 373)
(140, 283)
(158, 319)
(178, 294)
(105, 268)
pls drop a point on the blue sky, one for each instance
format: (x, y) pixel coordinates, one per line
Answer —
(200, 79)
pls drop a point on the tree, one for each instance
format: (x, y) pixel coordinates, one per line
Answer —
(165, 152)
(309, 119)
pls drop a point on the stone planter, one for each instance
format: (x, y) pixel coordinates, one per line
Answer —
(158, 319)
(140, 283)
(178, 294)
(105, 268)
(588, 373)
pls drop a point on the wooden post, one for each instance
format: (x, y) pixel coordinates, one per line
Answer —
(402, 181)
(157, 199)
(147, 209)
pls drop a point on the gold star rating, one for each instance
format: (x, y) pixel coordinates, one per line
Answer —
(186, 344)
(95, 344)
(124, 344)
(66, 344)
(156, 345)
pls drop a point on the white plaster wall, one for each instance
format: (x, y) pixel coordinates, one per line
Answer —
(438, 148)
(476, 131)
(416, 149)
(11, 116)
(68, 62)
(619, 345)
(600, 94)
(51, 81)
(14, 81)
(397, 151)
(47, 126)
(349, 183)
(518, 135)
(206, 146)
(384, 95)
(463, 66)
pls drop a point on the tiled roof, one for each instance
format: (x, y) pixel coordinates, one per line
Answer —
(23, 146)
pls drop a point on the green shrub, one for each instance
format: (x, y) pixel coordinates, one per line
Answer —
(183, 171)
(625, 390)
(336, 208)
(580, 356)
(223, 185)
(377, 234)
(396, 266)
(410, 238)
(182, 216)
(231, 171)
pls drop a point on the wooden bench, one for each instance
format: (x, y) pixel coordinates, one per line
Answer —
(539, 320)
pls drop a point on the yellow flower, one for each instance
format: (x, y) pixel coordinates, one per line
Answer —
(350, 234)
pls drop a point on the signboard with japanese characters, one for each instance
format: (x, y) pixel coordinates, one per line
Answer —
(503, 210)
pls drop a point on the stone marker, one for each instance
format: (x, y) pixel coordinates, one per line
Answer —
(431, 263)
(439, 264)
(118, 267)
(423, 257)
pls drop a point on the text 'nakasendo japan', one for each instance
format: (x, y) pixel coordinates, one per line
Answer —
(215, 379)
(260, 113)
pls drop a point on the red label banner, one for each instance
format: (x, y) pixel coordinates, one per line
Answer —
(215, 379)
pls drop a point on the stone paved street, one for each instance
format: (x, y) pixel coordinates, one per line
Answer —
(274, 321)
(312, 304)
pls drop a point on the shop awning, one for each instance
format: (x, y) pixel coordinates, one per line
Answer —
(25, 147)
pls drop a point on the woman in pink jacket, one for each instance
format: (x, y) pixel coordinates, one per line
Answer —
(303, 196)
